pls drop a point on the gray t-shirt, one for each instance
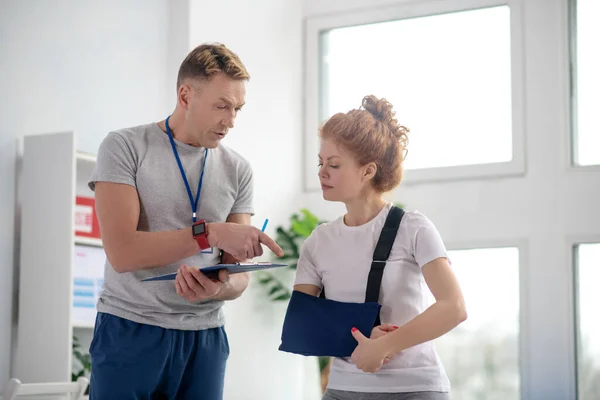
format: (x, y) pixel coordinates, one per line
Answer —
(142, 157)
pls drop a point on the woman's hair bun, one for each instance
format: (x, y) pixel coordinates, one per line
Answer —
(382, 110)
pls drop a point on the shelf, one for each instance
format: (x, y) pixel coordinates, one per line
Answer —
(88, 241)
(83, 326)
(63, 268)
(82, 156)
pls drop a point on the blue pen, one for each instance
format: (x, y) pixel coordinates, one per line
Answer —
(265, 224)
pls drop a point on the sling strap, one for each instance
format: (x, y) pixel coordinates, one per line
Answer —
(380, 256)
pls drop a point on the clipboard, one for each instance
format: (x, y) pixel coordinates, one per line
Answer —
(213, 271)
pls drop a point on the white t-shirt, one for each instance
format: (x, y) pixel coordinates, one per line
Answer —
(339, 256)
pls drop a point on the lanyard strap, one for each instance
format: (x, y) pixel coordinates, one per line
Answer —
(193, 203)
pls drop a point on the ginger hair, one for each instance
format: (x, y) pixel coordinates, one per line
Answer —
(372, 134)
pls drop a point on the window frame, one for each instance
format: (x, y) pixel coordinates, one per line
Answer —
(573, 113)
(573, 243)
(522, 246)
(571, 93)
(315, 25)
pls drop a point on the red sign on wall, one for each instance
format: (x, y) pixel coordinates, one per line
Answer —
(86, 222)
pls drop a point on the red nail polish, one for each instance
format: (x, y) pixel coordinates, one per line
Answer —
(395, 327)
(354, 329)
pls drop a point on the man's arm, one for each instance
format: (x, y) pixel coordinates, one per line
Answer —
(127, 249)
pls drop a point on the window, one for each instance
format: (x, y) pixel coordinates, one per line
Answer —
(588, 323)
(450, 77)
(586, 81)
(481, 356)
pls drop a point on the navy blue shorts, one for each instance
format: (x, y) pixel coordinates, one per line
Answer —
(142, 362)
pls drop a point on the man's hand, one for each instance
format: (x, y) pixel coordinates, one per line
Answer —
(227, 258)
(238, 283)
(194, 286)
(241, 241)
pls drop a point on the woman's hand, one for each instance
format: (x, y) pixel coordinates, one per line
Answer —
(382, 330)
(370, 354)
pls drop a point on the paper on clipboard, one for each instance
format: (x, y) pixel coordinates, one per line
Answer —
(213, 270)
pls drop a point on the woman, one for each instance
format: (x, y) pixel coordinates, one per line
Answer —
(360, 159)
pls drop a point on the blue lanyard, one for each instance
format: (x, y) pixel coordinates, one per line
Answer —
(193, 203)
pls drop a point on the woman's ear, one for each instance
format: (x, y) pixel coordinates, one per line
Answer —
(369, 171)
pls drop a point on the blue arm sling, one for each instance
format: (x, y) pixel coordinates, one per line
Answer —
(317, 326)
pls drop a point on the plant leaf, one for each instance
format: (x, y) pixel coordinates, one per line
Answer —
(311, 220)
(301, 229)
(76, 376)
(282, 296)
(275, 289)
(80, 357)
(285, 240)
(323, 361)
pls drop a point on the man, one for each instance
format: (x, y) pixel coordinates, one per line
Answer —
(163, 193)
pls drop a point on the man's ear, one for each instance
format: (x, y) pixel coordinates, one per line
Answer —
(184, 96)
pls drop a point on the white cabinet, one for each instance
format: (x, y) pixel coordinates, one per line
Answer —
(53, 174)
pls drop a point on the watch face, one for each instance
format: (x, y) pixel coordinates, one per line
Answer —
(198, 229)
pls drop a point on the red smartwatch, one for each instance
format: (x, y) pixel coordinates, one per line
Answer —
(200, 233)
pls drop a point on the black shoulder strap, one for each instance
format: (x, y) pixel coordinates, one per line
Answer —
(381, 254)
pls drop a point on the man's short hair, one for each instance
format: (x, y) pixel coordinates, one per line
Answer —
(209, 59)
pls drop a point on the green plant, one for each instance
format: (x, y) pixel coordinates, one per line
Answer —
(83, 361)
(290, 240)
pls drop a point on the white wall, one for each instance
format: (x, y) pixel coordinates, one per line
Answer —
(267, 35)
(71, 65)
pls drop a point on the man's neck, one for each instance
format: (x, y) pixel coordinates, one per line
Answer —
(176, 126)
(363, 210)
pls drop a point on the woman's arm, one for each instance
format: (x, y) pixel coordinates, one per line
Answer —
(308, 276)
(445, 314)
(308, 289)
